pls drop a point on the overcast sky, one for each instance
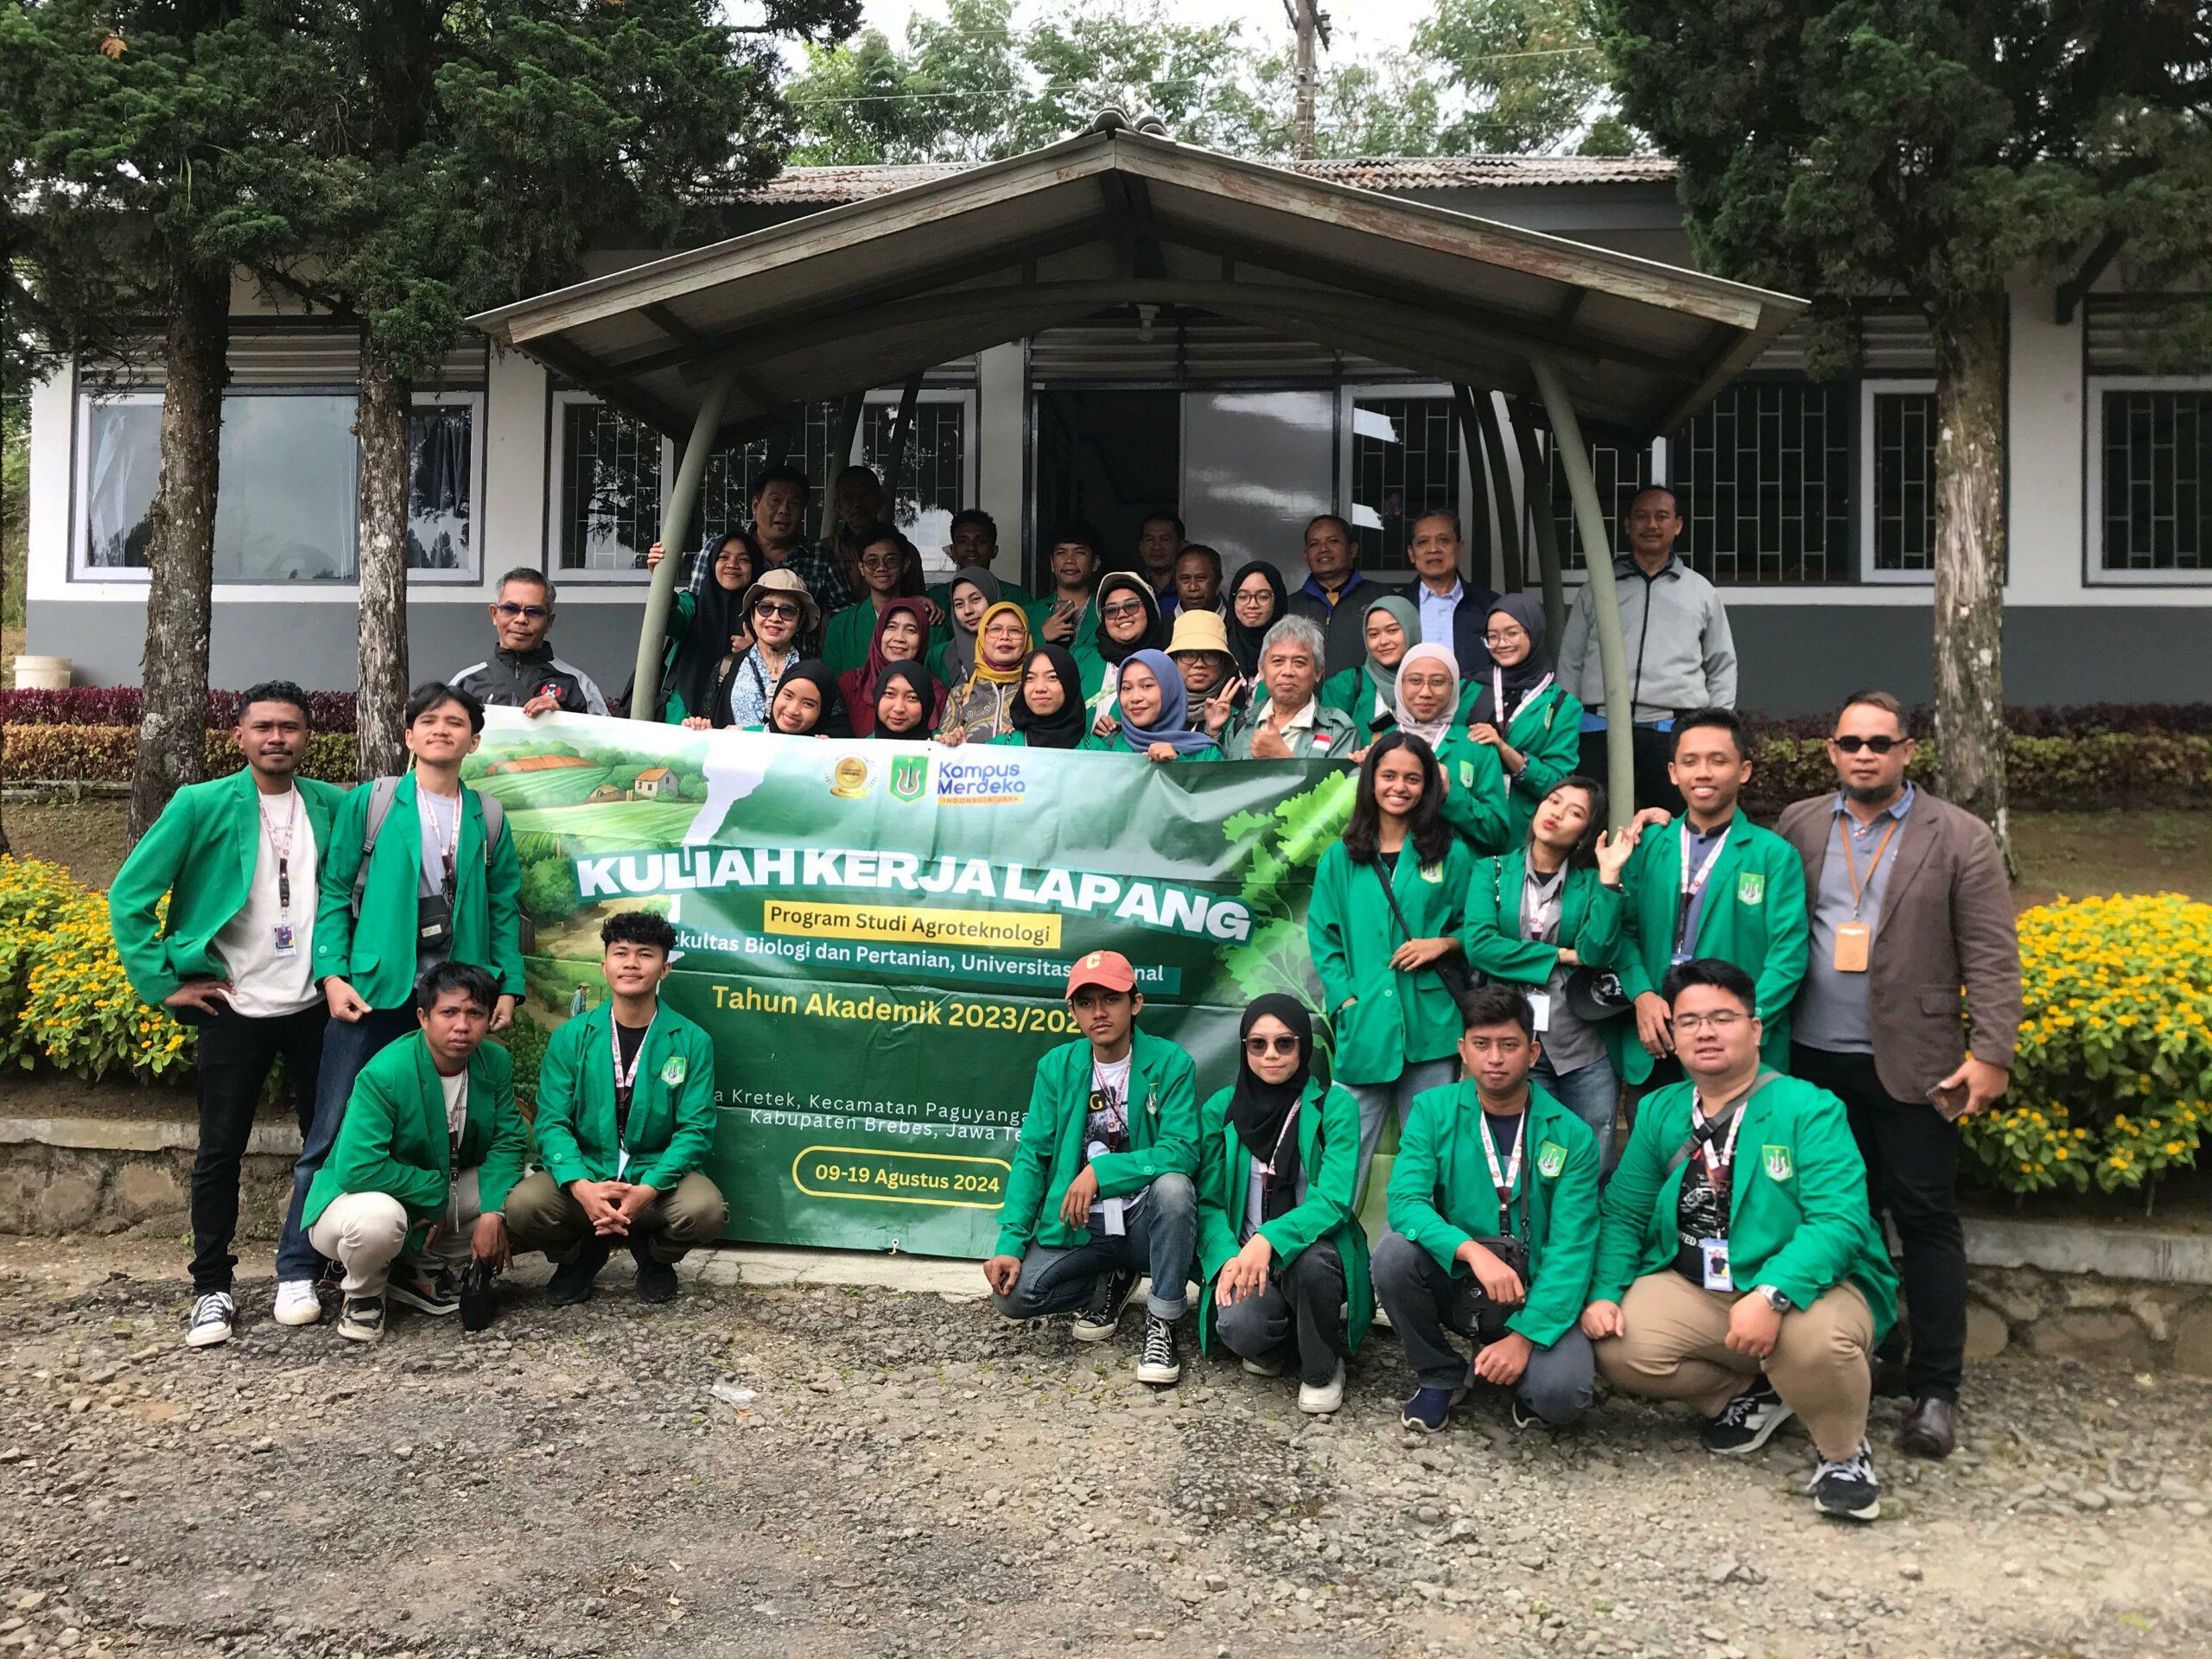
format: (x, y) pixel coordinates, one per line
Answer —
(1368, 25)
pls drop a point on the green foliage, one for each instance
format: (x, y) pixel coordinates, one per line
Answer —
(526, 1045)
(549, 890)
(1281, 847)
(1531, 73)
(64, 1001)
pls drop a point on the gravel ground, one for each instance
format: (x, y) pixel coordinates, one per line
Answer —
(907, 1476)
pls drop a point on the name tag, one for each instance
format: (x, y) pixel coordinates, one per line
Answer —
(1539, 1005)
(1712, 1254)
(1854, 946)
(287, 943)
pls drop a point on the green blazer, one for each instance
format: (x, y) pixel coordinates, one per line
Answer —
(671, 1125)
(1797, 1212)
(200, 852)
(1441, 1197)
(680, 613)
(1474, 802)
(1351, 693)
(1163, 1139)
(845, 640)
(1754, 916)
(393, 1139)
(1549, 733)
(1328, 1151)
(1589, 922)
(376, 955)
(1113, 745)
(1398, 1018)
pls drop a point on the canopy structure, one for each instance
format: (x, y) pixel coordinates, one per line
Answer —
(722, 341)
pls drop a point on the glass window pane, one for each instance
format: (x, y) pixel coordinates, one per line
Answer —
(1764, 480)
(1405, 460)
(124, 453)
(2157, 464)
(610, 488)
(932, 477)
(1620, 474)
(439, 442)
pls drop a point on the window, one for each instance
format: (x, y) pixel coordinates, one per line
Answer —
(1404, 461)
(1765, 478)
(1896, 479)
(2150, 484)
(606, 490)
(1620, 472)
(440, 464)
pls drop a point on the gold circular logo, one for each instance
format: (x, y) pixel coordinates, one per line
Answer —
(848, 777)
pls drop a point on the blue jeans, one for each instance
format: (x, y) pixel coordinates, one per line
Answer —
(346, 1047)
(1377, 1100)
(1162, 1237)
(1592, 1093)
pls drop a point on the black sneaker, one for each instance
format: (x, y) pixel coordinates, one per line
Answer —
(655, 1280)
(1158, 1365)
(427, 1293)
(1848, 1490)
(1097, 1321)
(213, 1313)
(1748, 1421)
(571, 1283)
(360, 1318)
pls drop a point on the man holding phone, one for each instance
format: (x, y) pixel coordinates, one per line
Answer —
(1910, 908)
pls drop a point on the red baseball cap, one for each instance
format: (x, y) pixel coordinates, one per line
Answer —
(1108, 968)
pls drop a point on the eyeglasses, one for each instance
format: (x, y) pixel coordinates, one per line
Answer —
(880, 561)
(1872, 745)
(509, 609)
(1256, 1046)
(1719, 1024)
(1494, 640)
(1131, 608)
(776, 607)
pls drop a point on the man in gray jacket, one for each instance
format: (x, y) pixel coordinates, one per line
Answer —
(1680, 653)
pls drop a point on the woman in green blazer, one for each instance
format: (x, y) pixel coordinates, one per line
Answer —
(1281, 1255)
(707, 631)
(1518, 710)
(1474, 783)
(1368, 693)
(1397, 1027)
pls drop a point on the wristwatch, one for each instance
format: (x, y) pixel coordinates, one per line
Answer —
(1775, 1299)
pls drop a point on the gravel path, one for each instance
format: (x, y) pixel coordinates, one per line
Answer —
(910, 1477)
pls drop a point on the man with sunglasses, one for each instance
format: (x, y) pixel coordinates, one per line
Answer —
(522, 672)
(1910, 907)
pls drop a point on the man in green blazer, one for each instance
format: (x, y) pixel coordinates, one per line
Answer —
(430, 1147)
(1739, 1268)
(626, 1116)
(1493, 1230)
(1715, 884)
(437, 887)
(1101, 1188)
(237, 857)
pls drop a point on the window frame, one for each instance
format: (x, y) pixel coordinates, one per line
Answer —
(471, 573)
(1350, 393)
(2094, 572)
(1842, 576)
(1863, 507)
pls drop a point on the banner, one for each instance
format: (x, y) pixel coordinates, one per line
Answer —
(877, 935)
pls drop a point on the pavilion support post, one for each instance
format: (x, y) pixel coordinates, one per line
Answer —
(675, 525)
(1569, 452)
(1543, 530)
(1478, 403)
(841, 457)
(902, 429)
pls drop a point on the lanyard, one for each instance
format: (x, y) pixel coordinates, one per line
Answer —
(1694, 885)
(1874, 866)
(624, 1081)
(451, 845)
(1502, 1180)
(1497, 697)
(282, 850)
(1290, 1123)
(1719, 1165)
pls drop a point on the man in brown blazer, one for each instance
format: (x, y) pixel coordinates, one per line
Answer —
(1910, 908)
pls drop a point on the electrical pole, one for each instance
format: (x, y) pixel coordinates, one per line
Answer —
(1311, 25)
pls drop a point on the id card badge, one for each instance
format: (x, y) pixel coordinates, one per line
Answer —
(287, 943)
(622, 1164)
(1539, 1006)
(1713, 1254)
(1110, 1213)
(1853, 944)
(1679, 958)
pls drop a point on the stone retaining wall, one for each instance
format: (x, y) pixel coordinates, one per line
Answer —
(2143, 1326)
(46, 1191)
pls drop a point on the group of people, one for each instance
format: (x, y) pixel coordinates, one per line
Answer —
(1569, 1027)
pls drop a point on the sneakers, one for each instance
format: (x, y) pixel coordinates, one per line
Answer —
(655, 1280)
(1848, 1490)
(1430, 1408)
(1320, 1399)
(296, 1302)
(1271, 1365)
(360, 1318)
(572, 1281)
(429, 1292)
(1096, 1322)
(1748, 1421)
(1158, 1365)
(212, 1316)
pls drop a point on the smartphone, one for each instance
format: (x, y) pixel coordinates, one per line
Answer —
(1951, 1102)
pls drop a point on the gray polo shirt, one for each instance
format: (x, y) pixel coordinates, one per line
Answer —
(1833, 1010)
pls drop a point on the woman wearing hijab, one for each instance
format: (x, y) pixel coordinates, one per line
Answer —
(1397, 1024)
(1256, 600)
(1520, 709)
(904, 697)
(1428, 707)
(1369, 693)
(1153, 718)
(707, 630)
(902, 635)
(971, 592)
(890, 570)
(1281, 1254)
(1128, 621)
(982, 708)
(804, 704)
(1049, 712)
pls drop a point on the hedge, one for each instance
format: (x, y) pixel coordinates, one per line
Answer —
(105, 754)
(121, 705)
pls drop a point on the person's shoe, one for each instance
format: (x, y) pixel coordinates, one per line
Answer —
(1269, 1366)
(1748, 1421)
(1848, 1489)
(212, 1315)
(1320, 1399)
(296, 1302)
(1931, 1426)
(655, 1280)
(1157, 1364)
(360, 1318)
(1097, 1321)
(425, 1292)
(572, 1281)
(1524, 1418)
(1430, 1408)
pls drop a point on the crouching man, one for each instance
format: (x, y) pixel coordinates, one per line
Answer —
(1101, 1189)
(626, 1116)
(430, 1145)
(1738, 1265)
(1493, 1215)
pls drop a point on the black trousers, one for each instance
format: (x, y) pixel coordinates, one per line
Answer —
(1653, 749)
(1301, 1306)
(1912, 1170)
(235, 1055)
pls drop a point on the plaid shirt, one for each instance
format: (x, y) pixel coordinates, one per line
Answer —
(824, 577)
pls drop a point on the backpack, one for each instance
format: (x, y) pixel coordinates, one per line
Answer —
(381, 795)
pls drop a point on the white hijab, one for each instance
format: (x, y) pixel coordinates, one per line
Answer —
(1429, 732)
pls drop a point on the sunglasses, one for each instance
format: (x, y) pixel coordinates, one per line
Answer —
(1256, 1047)
(510, 609)
(1133, 607)
(776, 607)
(1874, 744)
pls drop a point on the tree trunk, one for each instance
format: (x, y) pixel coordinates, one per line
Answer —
(381, 424)
(1970, 557)
(181, 545)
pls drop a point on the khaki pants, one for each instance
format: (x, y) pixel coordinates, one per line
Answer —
(1674, 1350)
(365, 1232)
(541, 1216)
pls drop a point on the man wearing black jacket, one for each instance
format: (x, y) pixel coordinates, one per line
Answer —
(523, 673)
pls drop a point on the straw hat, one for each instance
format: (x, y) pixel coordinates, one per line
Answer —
(785, 583)
(1199, 631)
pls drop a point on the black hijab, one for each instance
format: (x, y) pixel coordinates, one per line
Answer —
(816, 673)
(718, 614)
(1260, 1109)
(1154, 637)
(1243, 642)
(1524, 676)
(1062, 729)
(926, 688)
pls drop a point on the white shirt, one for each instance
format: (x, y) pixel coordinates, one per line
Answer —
(441, 831)
(264, 985)
(457, 1093)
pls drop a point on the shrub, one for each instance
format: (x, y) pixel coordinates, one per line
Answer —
(76, 1010)
(105, 754)
(2054, 773)
(121, 705)
(525, 1046)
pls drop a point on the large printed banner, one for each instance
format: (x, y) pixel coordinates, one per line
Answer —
(877, 935)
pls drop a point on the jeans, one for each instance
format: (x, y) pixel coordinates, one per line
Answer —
(1161, 1237)
(1424, 1301)
(1304, 1300)
(1912, 1174)
(235, 1052)
(1592, 1093)
(347, 1046)
(1377, 1100)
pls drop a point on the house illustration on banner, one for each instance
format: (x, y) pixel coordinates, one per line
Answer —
(657, 783)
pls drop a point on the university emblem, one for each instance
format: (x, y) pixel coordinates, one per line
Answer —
(1551, 1158)
(909, 775)
(1776, 1161)
(672, 1073)
(1751, 887)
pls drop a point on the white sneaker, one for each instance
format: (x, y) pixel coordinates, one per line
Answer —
(1327, 1397)
(212, 1316)
(296, 1302)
